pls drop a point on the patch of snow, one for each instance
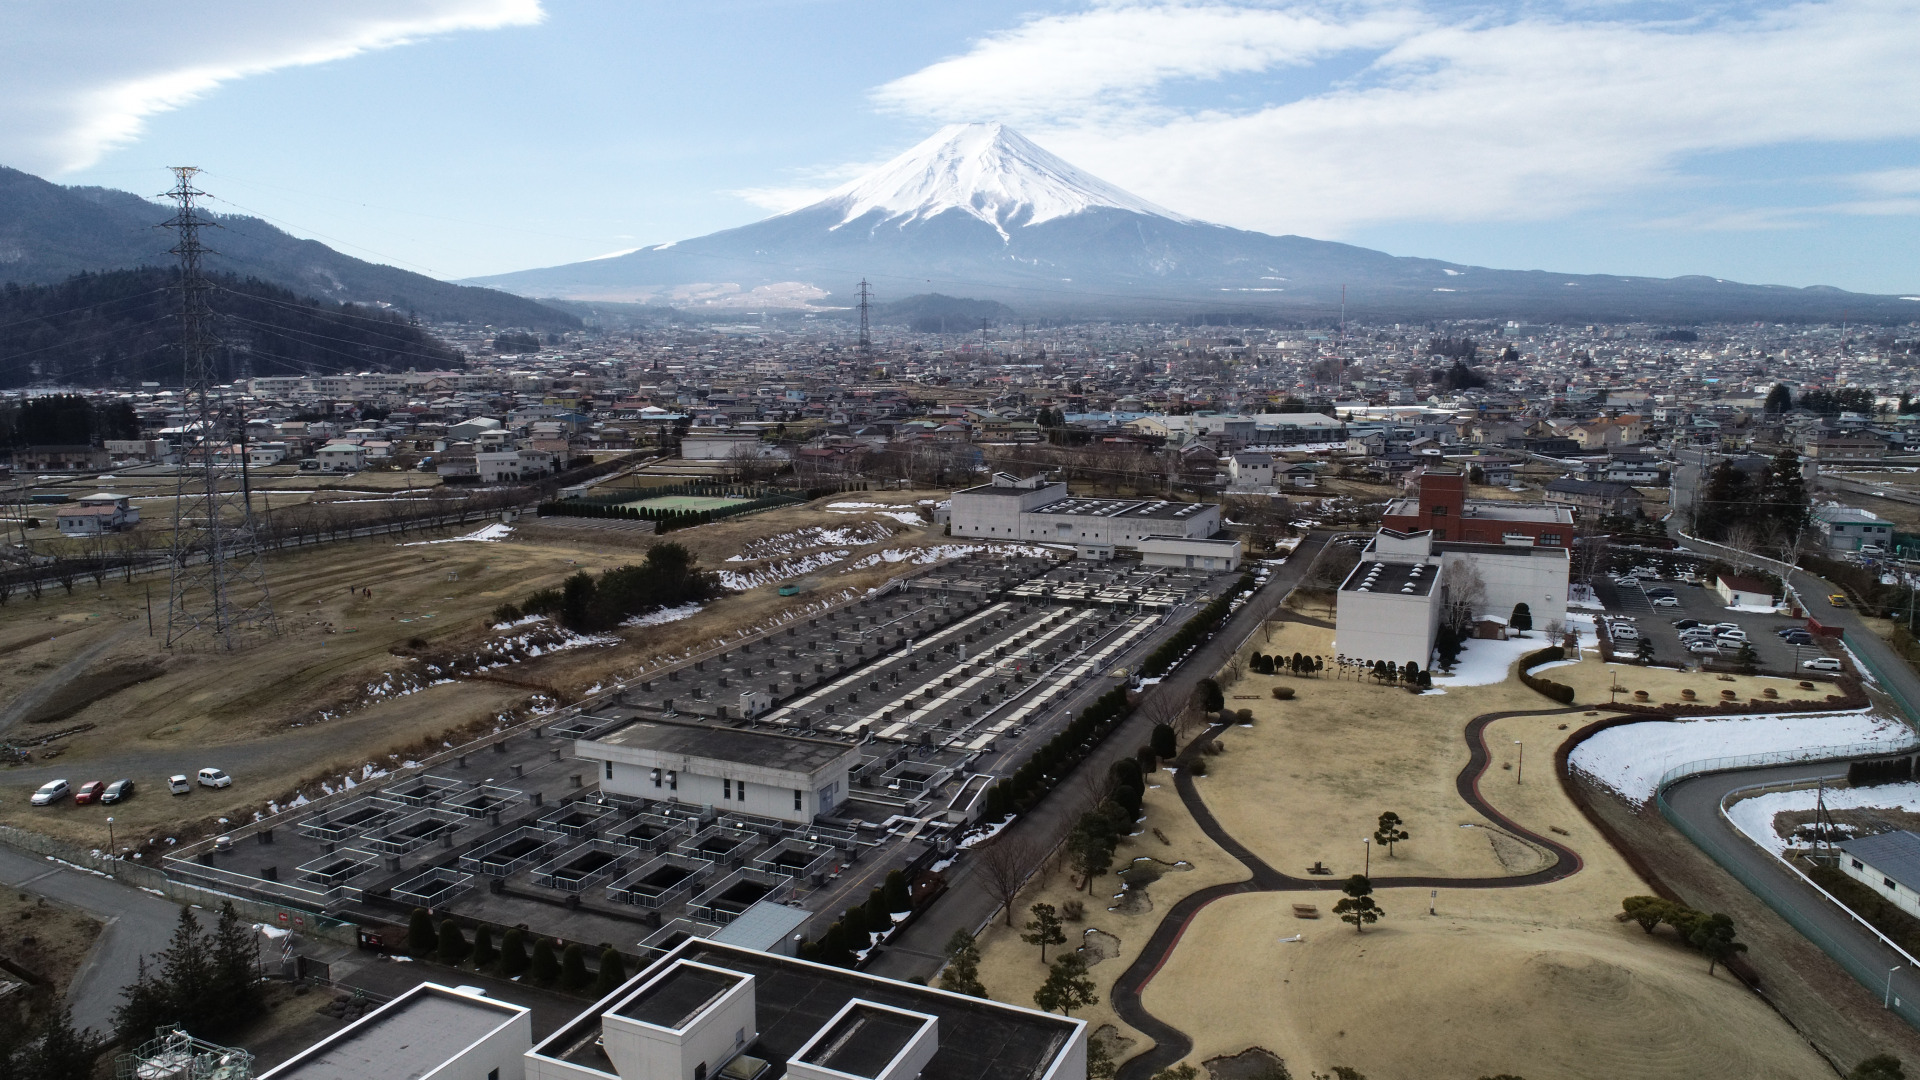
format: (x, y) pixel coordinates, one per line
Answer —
(1486, 662)
(1631, 758)
(665, 615)
(1755, 816)
(488, 534)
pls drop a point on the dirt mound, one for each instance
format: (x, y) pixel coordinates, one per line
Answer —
(1253, 1063)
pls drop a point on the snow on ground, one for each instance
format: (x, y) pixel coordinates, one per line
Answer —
(489, 534)
(1631, 758)
(781, 570)
(1755, 816)
(904, 517)
(1753, 609)
(793, 543)
(1484, 662)
(665, 615)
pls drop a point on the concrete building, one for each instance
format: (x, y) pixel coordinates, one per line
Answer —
(788, 777)
(496, 466)
(1250, 470)
(1442, 507)
(431, 1032)
(1747, 592)
(1889, 864)
(1391, 604)
(341, 457)
(101, 512)
(1013, 509)
(710, 1011)
(1844, 528)
(1190, 554)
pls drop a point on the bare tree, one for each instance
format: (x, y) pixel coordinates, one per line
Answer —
(1003, 865)
(1463, 593)
(1744, 541)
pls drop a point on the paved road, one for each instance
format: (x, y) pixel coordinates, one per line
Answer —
(917, 953)
(1170, 1044)
(138, 924)
(1697, 801)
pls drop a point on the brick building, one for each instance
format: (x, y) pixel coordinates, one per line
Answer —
(1442, 507)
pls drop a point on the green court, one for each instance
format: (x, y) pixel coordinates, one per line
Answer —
(686, 502)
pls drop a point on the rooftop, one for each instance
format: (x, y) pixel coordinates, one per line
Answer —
(1158, 510)
(865, 1040)
(408, 1038)
(1395, 578)
(675, 998)
(1895, 854)
(741, 746)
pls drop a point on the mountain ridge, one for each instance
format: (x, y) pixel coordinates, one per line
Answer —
(979, 209)
(49, 233)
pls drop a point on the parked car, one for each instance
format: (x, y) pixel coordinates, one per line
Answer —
(1822, 663)
(1702, 647)
(118, 791)
(89, 792)
(1625, 633)
(1726, 626)
(215, 778)
(1664, 601)
(1838, 600)
(1732, 635)
(1801, 638)
(1685, 624)
(50, 792)
(177, 783)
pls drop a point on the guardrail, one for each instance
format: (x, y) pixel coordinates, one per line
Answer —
(1787, 908)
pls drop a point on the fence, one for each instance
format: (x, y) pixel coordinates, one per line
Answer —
(1790, 908)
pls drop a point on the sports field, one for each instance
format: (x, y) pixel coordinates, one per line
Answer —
(685, 502)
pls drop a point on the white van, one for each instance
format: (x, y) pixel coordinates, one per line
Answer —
(1822, 663)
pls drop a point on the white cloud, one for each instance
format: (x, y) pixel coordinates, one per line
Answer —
(82, 79)
(1452, 118)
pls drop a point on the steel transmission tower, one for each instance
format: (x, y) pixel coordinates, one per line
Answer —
(866, 330)
(218, 585)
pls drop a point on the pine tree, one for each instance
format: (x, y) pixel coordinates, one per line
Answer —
(1067, 987)
(1165, 744)
(236, 996)
(573, 968)
(60, 1052)
(453, 943)
(613, 972)
(962, 973)
(1359, 907)
(545, 967)
(1390, 832)
(833, 947)
(513, 952)
(898, 897)
(1044, 929)
(484, 953)
(1521, 619)
(422, 938)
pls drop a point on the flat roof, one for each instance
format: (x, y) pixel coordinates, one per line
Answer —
(740, 745)
(864, 1041)
(1528, 550)
(1393, 578)
(763, 926)
(678, 996)
(1156, 509)
(793, 999)
(417, 1033)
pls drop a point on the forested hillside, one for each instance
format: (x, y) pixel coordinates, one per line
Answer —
(124, 326)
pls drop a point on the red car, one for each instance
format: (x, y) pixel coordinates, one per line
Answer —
(89, 792)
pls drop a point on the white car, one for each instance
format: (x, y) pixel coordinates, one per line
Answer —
(1665, 601)
(1702, 647)
(50, 792)
(1624, 633)
(214, 778)
(1725, 626)
(1732, 635)
(1822, 663)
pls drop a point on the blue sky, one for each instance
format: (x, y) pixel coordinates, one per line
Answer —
(1775, 143)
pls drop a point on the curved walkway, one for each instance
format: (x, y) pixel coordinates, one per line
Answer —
(1170, 1044)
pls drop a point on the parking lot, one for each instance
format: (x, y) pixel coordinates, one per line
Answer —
(1699, 602)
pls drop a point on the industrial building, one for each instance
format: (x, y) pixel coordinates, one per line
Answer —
(764, 773)
(711, 1010)
(1392, 602)
(1010, 508)
(431, 1032)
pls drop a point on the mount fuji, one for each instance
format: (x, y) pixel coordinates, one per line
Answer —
(980, 210)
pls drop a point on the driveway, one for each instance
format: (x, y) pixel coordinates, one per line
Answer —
(138, 924)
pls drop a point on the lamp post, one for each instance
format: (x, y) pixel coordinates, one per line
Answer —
(109, 836)
(1367, 843)
(1522, 766)
(1890, 971)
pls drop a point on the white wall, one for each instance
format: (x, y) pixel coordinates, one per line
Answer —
(700, 782)
(646, 1052)
(1903, 898)
(1388, 626)
(1539, 581)
(505, 1050)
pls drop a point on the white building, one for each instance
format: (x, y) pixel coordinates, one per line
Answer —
(1844, 528)
(101, 512)
(341, 457)
(1392, 602)
(431, 1032)
(1250, 470)
(1889, 864)
(1221, 555)
(750, 772)
(496, 466)
(1009, 508)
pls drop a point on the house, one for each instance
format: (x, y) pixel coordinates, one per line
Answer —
(1889, 864)
(1250, 471)
(101, 512)
(1744, 592)
(80, 458)
(498, 466)
(1597, 496)
(1305, 474)
(341, 457)
(1844, 528)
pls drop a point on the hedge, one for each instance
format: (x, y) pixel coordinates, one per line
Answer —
(1559, 692)
(1057, 756)
(1195, 631)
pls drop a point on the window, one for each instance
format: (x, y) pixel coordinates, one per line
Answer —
(609, 770)
(1439, 534)
(740, 790)
(1857, 865)
(1888, 882)
(1439, 511)
(796, 799)
(726, 789)
(656, 778)
(673, 781)
(1550, 539)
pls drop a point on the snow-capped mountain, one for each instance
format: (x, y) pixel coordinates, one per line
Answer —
(986, 171)
(980, 210)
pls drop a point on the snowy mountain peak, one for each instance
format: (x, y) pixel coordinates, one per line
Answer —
(987, 170)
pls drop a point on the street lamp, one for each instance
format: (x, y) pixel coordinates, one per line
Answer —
(1890, 971)
(109, 837)
(1522, 766)
(1367, 843)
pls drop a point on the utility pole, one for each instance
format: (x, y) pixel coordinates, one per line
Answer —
(866, 328)
(217, 583)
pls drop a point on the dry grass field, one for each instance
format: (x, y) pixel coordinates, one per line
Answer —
(321, 698)
(1538, 981)
(45, 937)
